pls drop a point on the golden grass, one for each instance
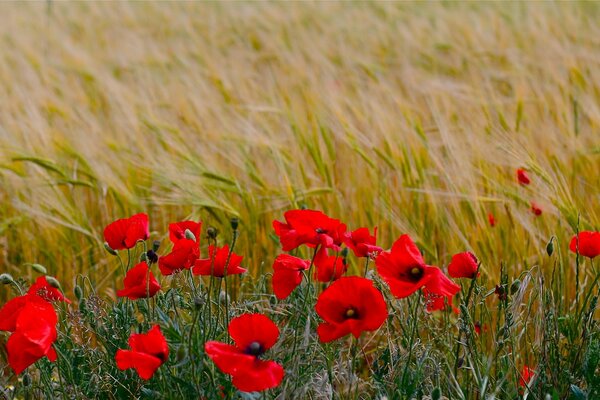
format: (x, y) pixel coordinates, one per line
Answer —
(410, 117)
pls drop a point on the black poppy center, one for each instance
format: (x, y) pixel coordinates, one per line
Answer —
(415, 273)
(351, 313)
(254, 349)
(320, 230)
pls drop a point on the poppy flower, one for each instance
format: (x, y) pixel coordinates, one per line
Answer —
(587, 243)
(329, 268)
(522, 177)
(480, 328)
(351, 305)
(405, 271)
(309, 227)
(32, 321)
(47, 292)
(362, 242)
(148, 352)
(501, 292)
(177, 230)
(183, 256)
(215, 264)
(527, 375)
(253, 335)
(139, 283)
(491, 220)
(124, 233)
(535, 208)
(464, 265)
(287, 274)
(436, 302)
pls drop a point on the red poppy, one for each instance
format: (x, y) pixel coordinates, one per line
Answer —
(183, 256)
(362, 242)
(33, 323)
(287, 274)
(405, 271)
(139, 283)
(329, 268)
(535, 208)
(124, 233)
(491, 220)
(588, 244)
(464, 265)
(527, 375)
(500, 291)
(253, 335)
(148, 352)
(215, 264)
(480, 328)
(177, 230)
(351, 305)
(309, 227)
(522, 177)
(47, 292)
(436, 302)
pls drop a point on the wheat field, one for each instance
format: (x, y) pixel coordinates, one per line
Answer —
(411, 117)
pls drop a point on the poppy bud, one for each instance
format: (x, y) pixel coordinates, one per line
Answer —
(39, 268)
(155, 245)
(53, 282)
(6, 279)
(436, 394)
(152, 257)
(78, 292)
(515, 286)
(181, 353)
(189, 235)
(143, 257)
(198, 302)
(212, 232)
(109, 249)
(223, 297)
(345, 252)
(550, 247)
(235, 221)
(26, 380)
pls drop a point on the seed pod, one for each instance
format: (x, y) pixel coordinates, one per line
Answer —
(152, 257)
(550, 247)
(235, 221)
(109, 249)
(6, 279)
(39, 268)
(155, 245)
(189, 235)
(212, 232)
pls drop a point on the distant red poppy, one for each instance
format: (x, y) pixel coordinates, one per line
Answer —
(351, 305)
(309, 227)
(464, 265)
(32, 321)
(491, 220)
(435, 302)
(47, 292)
(139, 283)
(527, 375)
(362, 243)
(148, 352)
(253, 335)
(479, 328)
(124, 233)
(522, 177)
(183, 256)
(588, 244)
(177, 230)
(501, 292)
(329, 268)
(405, 271)
(287, 274)
(535, 208)
(215, 264)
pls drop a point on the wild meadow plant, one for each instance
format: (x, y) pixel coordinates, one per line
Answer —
(183, 326)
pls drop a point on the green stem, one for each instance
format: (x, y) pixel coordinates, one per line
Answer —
(306, 294)
(412, 337)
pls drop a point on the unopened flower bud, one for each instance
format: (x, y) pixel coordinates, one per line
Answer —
(189, 235)
(26, 380)
(212, 232)
(78, 292)
(152, 257)
(6, 279)
(515, 286)
(345, 252)
(235, 221)
(53, 282)
(198, 302)
(550, 247)
(155, 245)
(223, 297)
(143, 257)
(39, 268)
(181, 353)
(109, 249)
